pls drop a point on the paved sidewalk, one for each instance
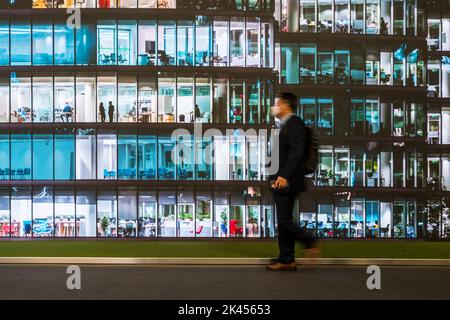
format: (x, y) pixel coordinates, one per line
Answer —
(222, 282)
(221, 261)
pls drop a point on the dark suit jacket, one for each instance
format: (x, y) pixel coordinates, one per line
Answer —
(292, 155)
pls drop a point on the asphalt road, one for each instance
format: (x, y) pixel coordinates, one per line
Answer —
(221, 282)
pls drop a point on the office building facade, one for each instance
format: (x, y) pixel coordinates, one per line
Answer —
(91, 99)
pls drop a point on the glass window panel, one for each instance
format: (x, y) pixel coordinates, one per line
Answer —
(185, 100)
(4, 157)
(86, 98)
(85, 154)
(127, 153)
(4, 42)
(325, 221)
(106, 156)
(357, 219)
(42, 43)
(20, 43)
(399, 20)
(325, 116)
(202, 111)
(289, 63)
(221, 214)
(325, 15)
(127, 3)
(185, 215)
(342, 222)
(21, 208)
(64, 98)
(64, 44)
(127, 226)
(202, 40)
(4, 213)
(166, 100)
(357, 16)
(147, 157)
(253, 102)
(166, 165)
(203, 215)
(308, 63)
(147, 103)
(220, 101)
(20, 98)
(147, 43)
(106, 213)
(184, 158)
(185, 43)
(341, 65)
(147, 214)
(166, 43)
(127, 97)
(20, 156)
(42, 99)
(86, 42)
(203, 159)
(43, 157)
(341, 166)
(236, 103)
(220, 39)
(127, 43)
(325, 68)
(106, 42)
(222, 158)
(253, 37)
(385, 17)
(4, 102)
(372, 22)
(166, 214)
(43, 220)
(307, 15)
(237, 155)
(64, 157)
(237, 41)
(86, 207)
(106, 91)
(65, 223)
(341, 16)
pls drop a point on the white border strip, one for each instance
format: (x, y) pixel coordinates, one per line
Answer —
(219, 261)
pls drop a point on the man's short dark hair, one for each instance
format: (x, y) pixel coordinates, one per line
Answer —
(289, 98)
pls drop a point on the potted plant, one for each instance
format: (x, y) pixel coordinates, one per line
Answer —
(104, 224)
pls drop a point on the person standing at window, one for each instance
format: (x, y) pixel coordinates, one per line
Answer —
(101, 109)
(111, 112)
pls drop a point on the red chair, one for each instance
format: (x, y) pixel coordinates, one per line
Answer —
(7, 230)
(234, 229)
(198, 231)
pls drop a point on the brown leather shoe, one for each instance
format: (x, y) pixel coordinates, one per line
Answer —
(282, 266)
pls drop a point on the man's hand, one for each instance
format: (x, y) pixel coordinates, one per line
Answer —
(280, 183)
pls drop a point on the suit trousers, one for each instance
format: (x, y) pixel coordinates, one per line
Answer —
(288, 232)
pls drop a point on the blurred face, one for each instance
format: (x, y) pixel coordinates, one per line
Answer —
(280, 108)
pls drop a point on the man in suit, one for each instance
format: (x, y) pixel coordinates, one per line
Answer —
(289, 181)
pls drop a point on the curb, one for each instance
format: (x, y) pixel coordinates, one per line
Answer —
(220, 261)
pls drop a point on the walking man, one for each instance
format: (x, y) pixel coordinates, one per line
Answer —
(289, 181)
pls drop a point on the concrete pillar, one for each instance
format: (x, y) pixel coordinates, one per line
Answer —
(293, 15)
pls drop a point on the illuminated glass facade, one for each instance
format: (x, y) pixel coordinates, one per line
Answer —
(87, 116)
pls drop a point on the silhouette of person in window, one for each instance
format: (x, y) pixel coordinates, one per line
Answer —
(111, 111)
(101, 109)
